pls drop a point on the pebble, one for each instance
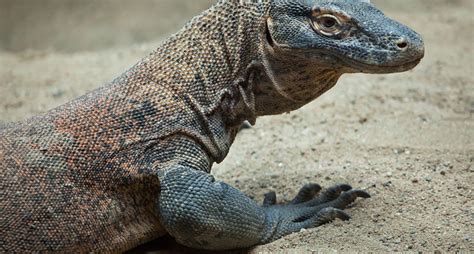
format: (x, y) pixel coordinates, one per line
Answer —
(56, 93)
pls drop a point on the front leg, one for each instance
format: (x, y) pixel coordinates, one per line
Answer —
(206, 214)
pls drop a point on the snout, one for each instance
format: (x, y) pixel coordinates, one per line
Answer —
(408, 49)
(403, 51)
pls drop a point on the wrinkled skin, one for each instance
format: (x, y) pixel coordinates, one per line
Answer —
(130, 161)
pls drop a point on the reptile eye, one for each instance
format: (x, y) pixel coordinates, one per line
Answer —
(327, 24)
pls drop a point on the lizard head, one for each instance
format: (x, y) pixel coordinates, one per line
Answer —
(309, 44)
(349, 35)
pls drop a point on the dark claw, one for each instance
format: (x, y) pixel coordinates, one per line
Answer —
(329, 214)
(329, 195)
(306, 193)
(362, 194)
(353, 194)
(348, 198)
(345, 187)
(335, 191)
(340, 214)
(270, 199)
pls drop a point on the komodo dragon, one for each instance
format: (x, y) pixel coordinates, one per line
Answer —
(130, 162)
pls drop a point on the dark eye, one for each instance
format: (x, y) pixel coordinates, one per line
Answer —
(327, 24)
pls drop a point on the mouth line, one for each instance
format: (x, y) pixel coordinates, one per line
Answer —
(365, 67)
(387, 67)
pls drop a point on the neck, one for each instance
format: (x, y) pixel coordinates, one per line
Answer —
(212, 52)
(208, 65)
(289, 82)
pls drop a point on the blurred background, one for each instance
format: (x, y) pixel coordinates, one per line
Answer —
(72, 25)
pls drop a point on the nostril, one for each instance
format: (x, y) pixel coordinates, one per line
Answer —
(402, 44)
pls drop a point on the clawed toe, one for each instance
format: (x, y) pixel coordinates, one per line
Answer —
(362, 194)
(335, 191)
(344, 187)
(308, 211)
(306, 193)
(346, 198)
(270, 199)
(330, 214)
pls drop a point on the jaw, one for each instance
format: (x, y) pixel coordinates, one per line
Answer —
(346, 64)
(289, 81)
(352, 66)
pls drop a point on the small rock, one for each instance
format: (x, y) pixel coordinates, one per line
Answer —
(57, 93)
(414, 181)
(428, 178)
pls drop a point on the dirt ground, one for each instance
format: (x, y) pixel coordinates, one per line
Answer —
(406, 138)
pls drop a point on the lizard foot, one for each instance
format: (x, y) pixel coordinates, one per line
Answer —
(307, 209)
(203, 213)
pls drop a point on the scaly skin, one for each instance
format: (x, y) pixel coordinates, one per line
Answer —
(130, 161)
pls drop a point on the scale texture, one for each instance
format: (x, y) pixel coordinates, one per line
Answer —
(130, 162)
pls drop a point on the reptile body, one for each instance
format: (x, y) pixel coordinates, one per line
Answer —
(130, 162)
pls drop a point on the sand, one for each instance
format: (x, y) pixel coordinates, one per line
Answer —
(406, 138)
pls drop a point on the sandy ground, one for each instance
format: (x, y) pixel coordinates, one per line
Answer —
(406, 138)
